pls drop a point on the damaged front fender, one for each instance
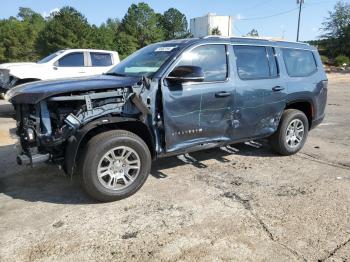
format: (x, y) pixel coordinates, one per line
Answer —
(60, 119)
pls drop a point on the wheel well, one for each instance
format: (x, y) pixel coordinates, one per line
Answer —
(305, 107)
(135, 127)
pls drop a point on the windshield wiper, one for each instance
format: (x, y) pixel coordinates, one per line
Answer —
(114, 74)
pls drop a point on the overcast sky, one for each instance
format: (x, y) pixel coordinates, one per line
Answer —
(271, 18)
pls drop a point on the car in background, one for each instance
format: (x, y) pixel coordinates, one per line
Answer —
(62, 64)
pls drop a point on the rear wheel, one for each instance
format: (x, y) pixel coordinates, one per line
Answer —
(115, 165)
(291, 134)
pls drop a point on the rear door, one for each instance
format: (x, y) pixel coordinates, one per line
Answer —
(99, 62)
(199, 113)
(70, 65)
(260, 91)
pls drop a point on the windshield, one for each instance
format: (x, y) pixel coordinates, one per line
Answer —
(49, 57)
(146, 61)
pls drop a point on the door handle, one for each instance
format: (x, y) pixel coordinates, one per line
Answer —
(222, 94)
(277, 88)
(82, 72)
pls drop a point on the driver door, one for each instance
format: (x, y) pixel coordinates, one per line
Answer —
(70, 65)
(199, 112)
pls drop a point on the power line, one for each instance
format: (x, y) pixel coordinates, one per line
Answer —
(254, 6)
(321, 2)
(239, 31)
(266, 17)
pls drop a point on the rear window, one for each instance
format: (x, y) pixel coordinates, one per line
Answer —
(100, 59)
(299, 63)
(256, 62)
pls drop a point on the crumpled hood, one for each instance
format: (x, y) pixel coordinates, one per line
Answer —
(33, 93)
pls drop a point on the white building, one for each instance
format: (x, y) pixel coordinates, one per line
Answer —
(203, 26)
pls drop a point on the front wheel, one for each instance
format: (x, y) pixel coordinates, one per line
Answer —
(291, 134)
(115, 165)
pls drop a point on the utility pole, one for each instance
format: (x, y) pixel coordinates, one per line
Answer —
(300, 2)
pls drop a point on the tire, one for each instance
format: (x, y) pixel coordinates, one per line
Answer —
(284, 141)
(107, 173)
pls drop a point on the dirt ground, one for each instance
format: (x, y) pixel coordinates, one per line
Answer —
(240, 203)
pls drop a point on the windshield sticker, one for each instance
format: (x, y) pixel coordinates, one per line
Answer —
(165, 49)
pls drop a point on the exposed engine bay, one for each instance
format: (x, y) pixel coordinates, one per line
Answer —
(44, 127)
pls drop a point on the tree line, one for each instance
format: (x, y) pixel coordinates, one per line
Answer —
(334, 43)
(30, 36)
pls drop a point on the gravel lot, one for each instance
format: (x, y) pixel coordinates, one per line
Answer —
(239, 203)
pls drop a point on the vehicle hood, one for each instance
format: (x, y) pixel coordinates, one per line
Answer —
(24, 70)
(13, 65)
(33, 93)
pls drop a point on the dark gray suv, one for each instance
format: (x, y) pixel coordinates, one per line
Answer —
(167, 99)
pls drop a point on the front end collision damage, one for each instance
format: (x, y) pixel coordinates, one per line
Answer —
(54, 127)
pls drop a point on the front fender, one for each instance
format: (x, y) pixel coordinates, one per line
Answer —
(74, 142)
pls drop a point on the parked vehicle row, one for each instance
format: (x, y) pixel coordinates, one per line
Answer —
(167, 99)
(62, 64)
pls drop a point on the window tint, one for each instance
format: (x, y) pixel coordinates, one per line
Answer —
(73, 60)
(274, 70)
(211, 58)
(252, 62)
(100, 59)
(299, 62)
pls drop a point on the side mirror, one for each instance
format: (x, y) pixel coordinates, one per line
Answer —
(186, 74)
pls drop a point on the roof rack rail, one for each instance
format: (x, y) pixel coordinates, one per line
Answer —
(252, 38)
(214, 36)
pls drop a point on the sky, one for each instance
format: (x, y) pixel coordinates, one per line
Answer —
(274, 18)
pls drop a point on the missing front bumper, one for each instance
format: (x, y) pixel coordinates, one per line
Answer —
(33, 160)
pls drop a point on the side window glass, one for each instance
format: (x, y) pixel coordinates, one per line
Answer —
(72, 60)
(252, 62)
(211, 58)
(274, 70)
(299, 63)
(100, 59)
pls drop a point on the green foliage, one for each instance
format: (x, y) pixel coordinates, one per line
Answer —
(253, 33)
(104, 37)
(174, 24)
(18, 36)
(126, 44)
(215, 31)
(29, 36)
(337, 30)
(66, 29)
(324, 59)
(340, 60)
(141, 23)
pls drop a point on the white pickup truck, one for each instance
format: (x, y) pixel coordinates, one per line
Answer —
(62, 64)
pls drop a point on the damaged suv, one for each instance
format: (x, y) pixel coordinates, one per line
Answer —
(166, 99)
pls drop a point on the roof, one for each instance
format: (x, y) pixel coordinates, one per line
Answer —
(88, 50)
(243, 40)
